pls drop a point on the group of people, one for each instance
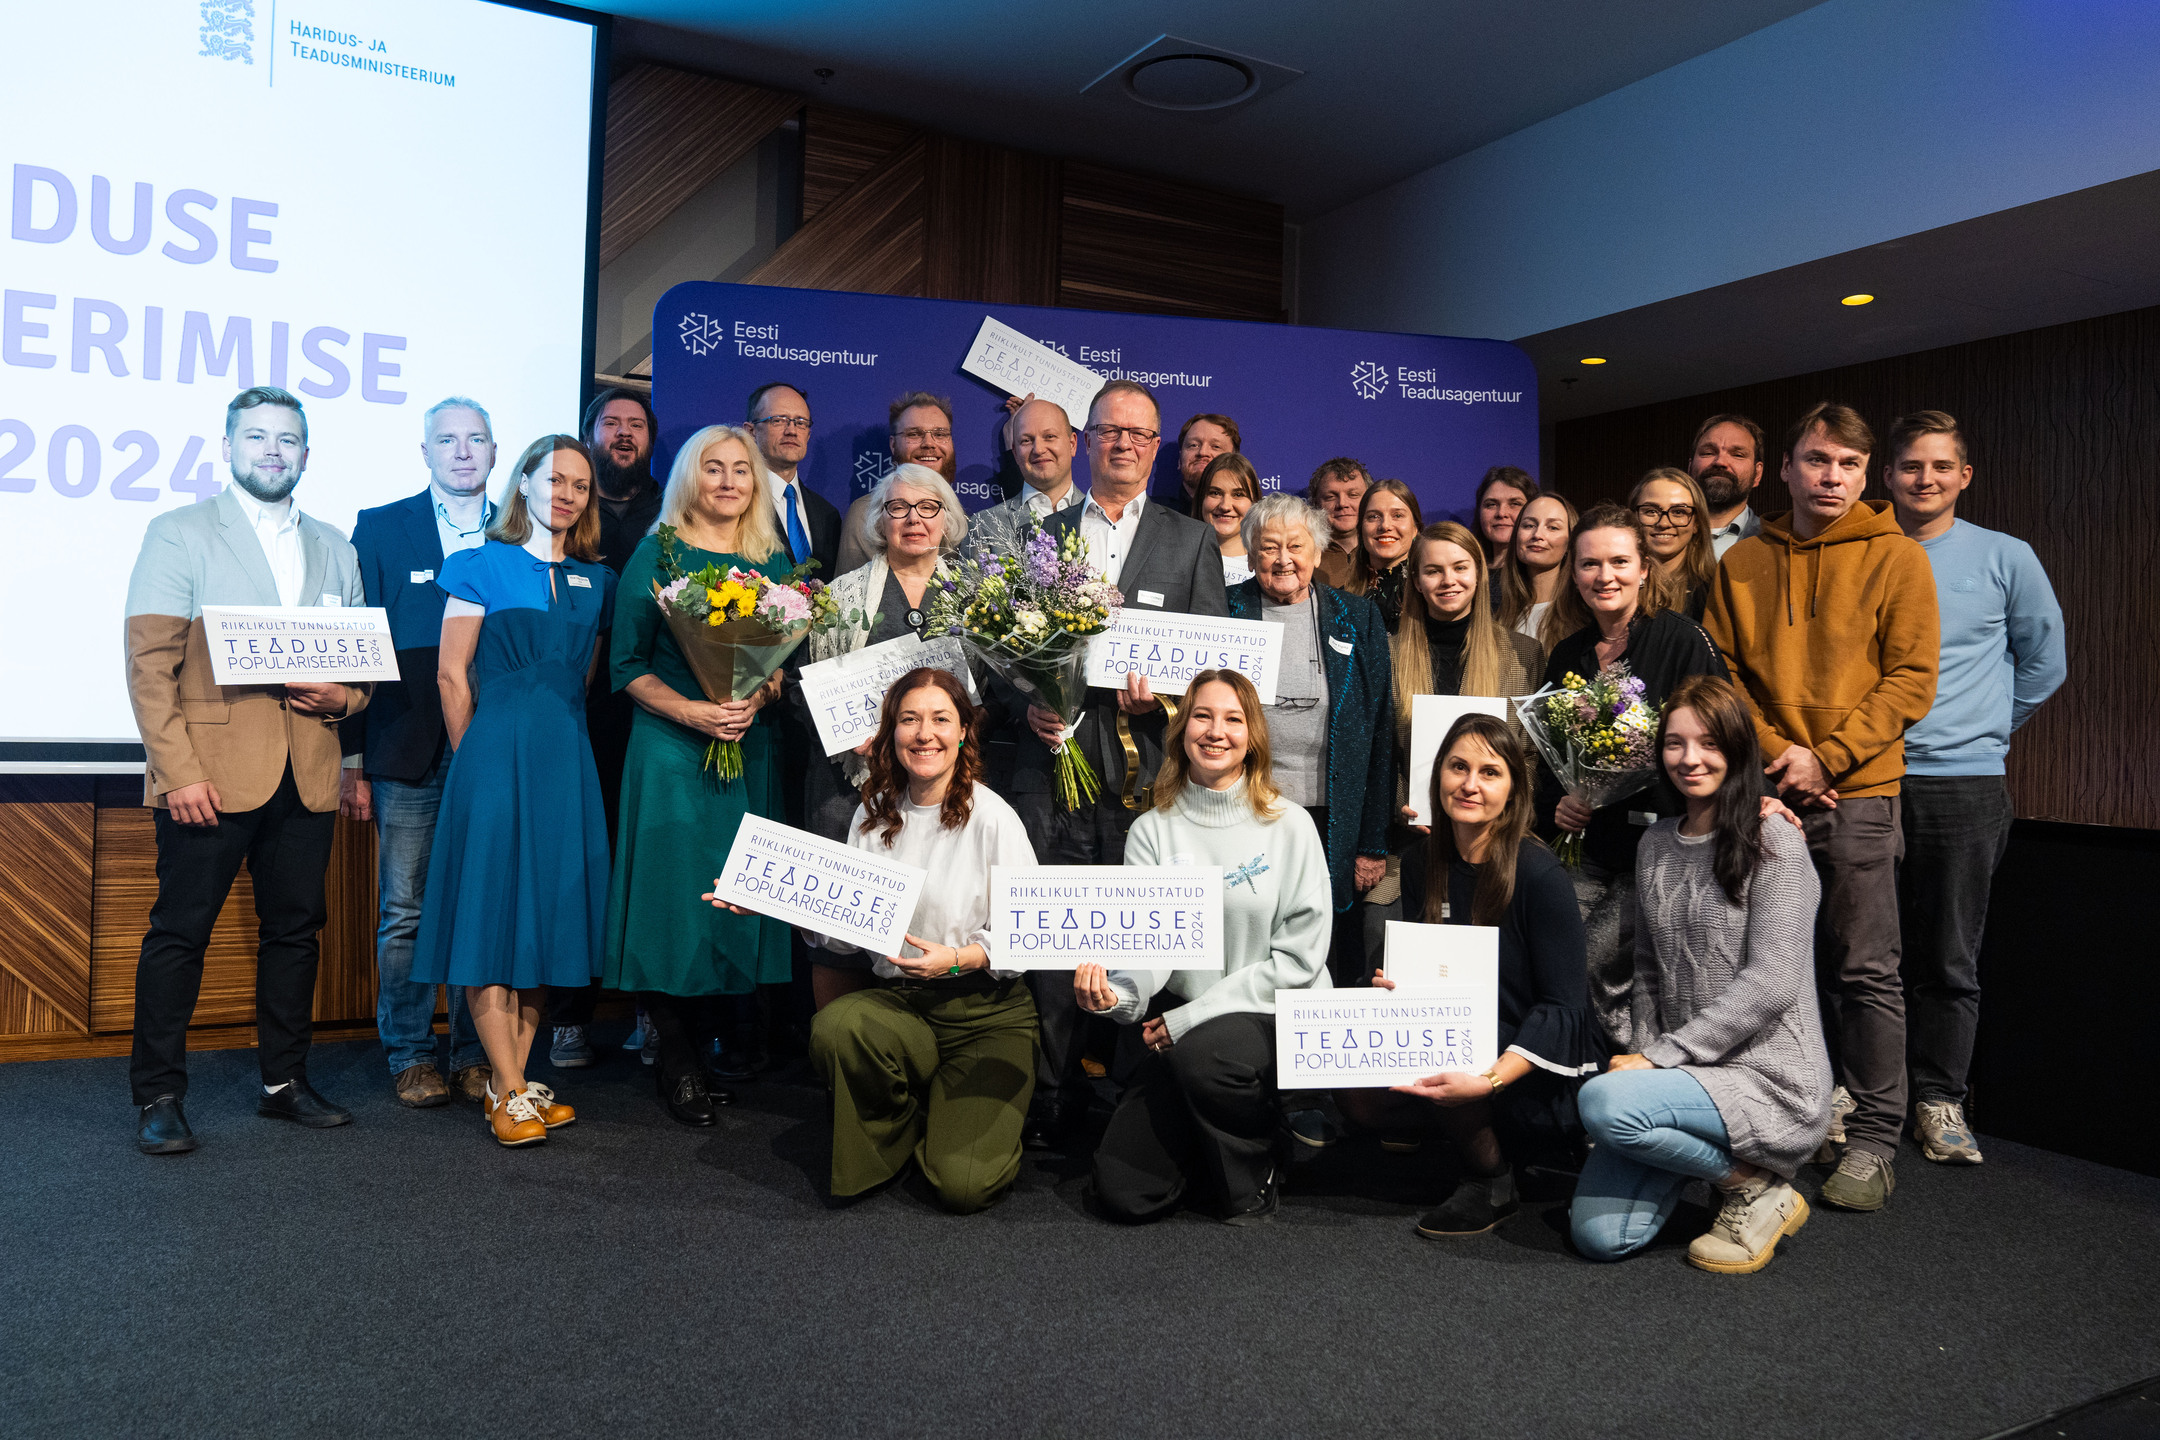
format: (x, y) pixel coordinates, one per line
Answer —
(1714, 993)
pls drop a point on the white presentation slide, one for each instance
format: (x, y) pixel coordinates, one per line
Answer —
(374, 204)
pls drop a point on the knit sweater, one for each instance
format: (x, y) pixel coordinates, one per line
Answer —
(1727, 992)
(1277, 909)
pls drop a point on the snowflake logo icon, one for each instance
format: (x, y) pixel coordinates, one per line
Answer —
(870, 467)
(1369, 380)
(701, 334)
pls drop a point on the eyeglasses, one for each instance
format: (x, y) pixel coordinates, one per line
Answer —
(1670, 515)
(785, 422)
(926, 509)
(1132, 434)
(916, 437)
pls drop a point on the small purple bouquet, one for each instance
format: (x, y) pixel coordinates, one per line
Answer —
(1028, 615)
(1597, 735)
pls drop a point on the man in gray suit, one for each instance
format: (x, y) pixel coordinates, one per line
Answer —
(1043, 445)
(1162, 561)
(237, 773)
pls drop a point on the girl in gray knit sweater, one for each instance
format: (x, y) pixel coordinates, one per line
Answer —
(1729, 1081)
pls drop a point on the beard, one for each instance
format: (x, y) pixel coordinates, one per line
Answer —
(262, 487)
(622, 482)
(1721, 487)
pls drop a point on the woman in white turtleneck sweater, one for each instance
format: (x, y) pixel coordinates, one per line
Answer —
(1211, 1035)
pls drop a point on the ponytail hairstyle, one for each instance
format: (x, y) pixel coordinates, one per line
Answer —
(1737, 810)
(1411, 645)
(1496, 875)
(1569, 609)
(886, 784)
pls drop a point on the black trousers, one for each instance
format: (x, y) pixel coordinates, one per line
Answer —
(1956, 830)
(1091, 835)
(1199, 1119)
(286, 848)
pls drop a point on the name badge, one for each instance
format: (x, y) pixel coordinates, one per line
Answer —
(1340, 647)
(1447, 911)
(1150, 597)
(1642, 817)
(580, 581)
(421, 577)
(333, 602)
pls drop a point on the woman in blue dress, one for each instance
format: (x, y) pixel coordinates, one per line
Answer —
(516, 895)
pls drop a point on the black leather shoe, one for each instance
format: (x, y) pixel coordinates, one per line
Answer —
(164, 1130)
(299, 1102)
(731, 1063)
(1262, 1208)
(1479, 1204)
(1048, 1122)
(685, 1097)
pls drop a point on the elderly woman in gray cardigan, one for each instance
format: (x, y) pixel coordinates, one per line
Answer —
(1729, 1080)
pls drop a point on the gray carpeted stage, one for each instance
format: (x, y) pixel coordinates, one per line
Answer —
(636, 1278)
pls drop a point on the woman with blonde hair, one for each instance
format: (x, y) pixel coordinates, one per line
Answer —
(1674, 514)
(1533, 571)
(1388, 522)
(677, 823)
(1202, 1111)
(1448, 641)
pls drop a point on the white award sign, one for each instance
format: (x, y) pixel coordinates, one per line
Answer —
(1122, 917)
(820, 885)
(1019, 365)
(1367, 1039)
(846, 694)
(273, 644)
(1169, 649)
(1431, 716)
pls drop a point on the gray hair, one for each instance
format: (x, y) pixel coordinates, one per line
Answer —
(457, 402)
(922, 477)
(1277, 508)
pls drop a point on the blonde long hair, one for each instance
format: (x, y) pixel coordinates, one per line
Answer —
(1697, 564)
(1517, 594)
(757, 533)
(1260, 789)
(1412, 642)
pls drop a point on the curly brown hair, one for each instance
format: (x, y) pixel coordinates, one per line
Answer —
(886, 784)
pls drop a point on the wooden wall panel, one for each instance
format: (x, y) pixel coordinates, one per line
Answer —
(45, 837)
(670, 133)
(991, 224)
(840, 147)
(869, 239)
(1134, 242)
(2064, 427)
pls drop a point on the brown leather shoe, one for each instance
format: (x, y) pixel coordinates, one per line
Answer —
(513, 1120)
(552, 1112)
(421, 1087)
(471, 1082)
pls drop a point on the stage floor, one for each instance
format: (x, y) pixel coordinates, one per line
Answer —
(636, 1278)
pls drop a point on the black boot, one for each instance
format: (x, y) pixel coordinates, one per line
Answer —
(1479, 1204)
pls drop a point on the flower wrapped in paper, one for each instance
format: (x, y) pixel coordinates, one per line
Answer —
(1597, 735)
(1028, 615)
(736, 628)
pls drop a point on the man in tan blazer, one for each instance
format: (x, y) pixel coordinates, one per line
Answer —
(237, 773)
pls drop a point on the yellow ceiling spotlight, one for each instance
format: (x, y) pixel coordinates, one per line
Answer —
(1593, 360)
(1857, 300)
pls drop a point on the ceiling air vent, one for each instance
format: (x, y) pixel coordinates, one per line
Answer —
(1169, 73)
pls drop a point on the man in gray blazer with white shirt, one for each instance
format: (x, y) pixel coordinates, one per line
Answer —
(1160, 560)
(237, 773)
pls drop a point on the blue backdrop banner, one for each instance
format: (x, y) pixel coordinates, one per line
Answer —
(1432, 411)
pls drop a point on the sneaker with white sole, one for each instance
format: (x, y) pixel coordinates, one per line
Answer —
(1939, 1126)
(636, 1040)
(1841, 1105)
(570, 1050)
(1863, 1180)
(1752, 1218)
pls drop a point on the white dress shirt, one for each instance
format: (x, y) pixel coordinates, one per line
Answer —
(1042, 507)
(455, 538)
(1724, 537)
(1108, 541)
(780, 508)
(277, 530)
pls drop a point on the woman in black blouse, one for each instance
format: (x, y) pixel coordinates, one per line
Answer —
(1388, 524)
(1481, 866)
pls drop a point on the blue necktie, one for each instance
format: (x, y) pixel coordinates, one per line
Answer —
(797, 540)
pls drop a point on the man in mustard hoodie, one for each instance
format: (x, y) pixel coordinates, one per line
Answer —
(1828, 620)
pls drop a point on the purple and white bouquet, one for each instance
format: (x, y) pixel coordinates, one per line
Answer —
(1599, 737)
(1028, 616)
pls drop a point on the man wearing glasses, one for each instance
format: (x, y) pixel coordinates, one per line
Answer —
(1160, 561)
(919, 431)
(809, 523)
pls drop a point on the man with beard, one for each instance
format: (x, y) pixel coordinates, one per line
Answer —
(919, 432)
(618, 428)
(236, 773)
(403, 758)
(1726, 460)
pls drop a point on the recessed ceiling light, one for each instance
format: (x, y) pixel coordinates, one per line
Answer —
(1593, 360)
(1857, 300)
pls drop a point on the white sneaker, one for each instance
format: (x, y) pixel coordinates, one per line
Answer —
(1841, 1105)
(1750, 1222)
(1939, 1126)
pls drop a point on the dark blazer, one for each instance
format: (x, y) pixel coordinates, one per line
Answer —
(400, 552)
(824, 518)
(1361, 725)
(1174, 566)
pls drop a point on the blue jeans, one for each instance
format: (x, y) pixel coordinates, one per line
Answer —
(1654, 1130)
(405, 1012)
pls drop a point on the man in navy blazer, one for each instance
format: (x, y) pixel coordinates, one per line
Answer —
(397, 776)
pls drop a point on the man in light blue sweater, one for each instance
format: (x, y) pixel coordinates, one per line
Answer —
(2002, 655)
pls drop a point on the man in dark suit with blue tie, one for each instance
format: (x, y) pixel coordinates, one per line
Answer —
(402, 755)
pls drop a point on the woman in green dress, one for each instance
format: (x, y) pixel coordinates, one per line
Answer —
(676, 823)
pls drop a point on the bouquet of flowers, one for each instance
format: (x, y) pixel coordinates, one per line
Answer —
(1597, 735)
(1028, 615)
(736, 627)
